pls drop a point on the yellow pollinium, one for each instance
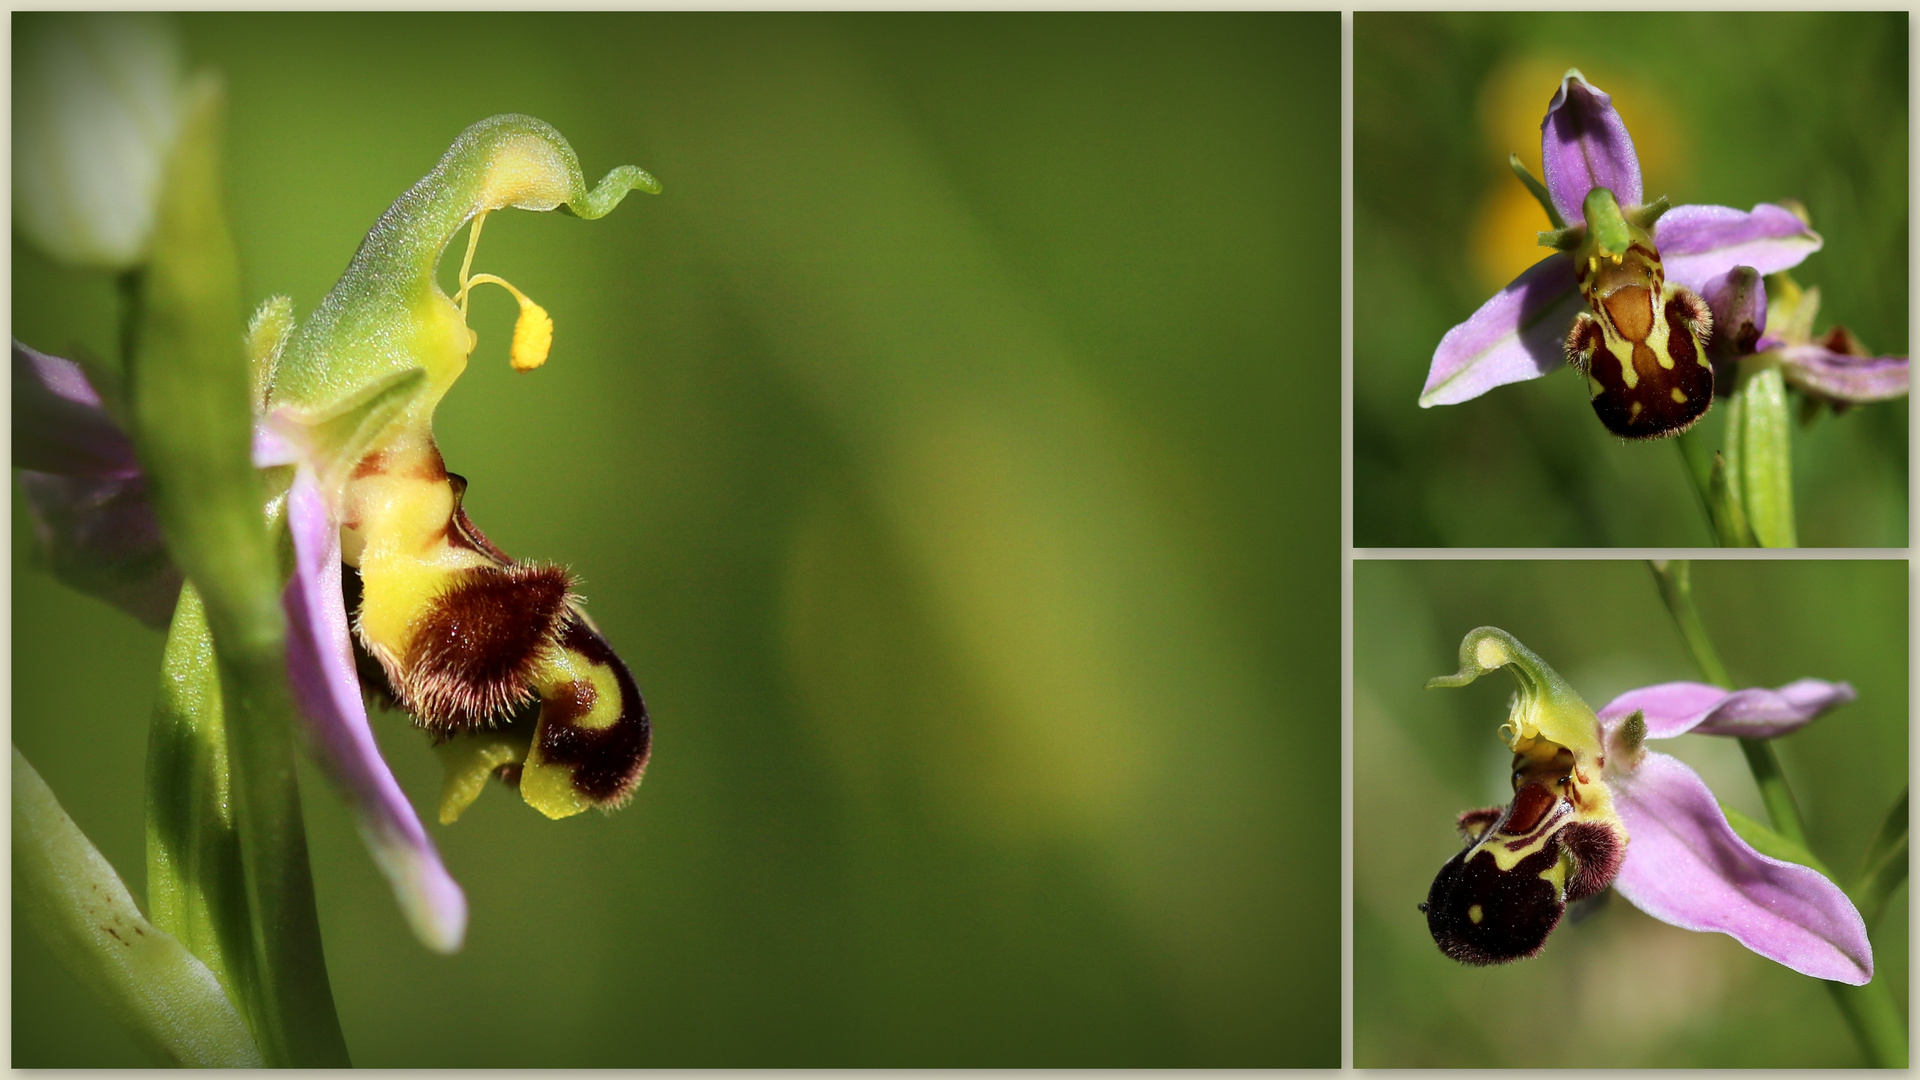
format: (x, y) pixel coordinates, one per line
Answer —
(532, 336)
(532, 331)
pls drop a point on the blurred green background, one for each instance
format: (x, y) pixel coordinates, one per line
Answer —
(1725, 108)
(920, 454)
(1619, 989)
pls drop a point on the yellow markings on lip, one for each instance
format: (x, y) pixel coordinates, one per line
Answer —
(1556, 875)
(1678, 397)
(1475, 914)
(1633, 411)
(590, 692)
(1627, 374)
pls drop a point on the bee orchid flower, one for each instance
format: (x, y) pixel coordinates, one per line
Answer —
(1621, 296)
(1593, 807)
(393, 589)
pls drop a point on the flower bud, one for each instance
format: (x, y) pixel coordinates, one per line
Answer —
(96, 108)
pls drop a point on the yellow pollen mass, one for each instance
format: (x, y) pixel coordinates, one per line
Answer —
(532, 331)
(533, 337)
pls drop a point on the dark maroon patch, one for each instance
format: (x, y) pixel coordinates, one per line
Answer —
(1597, 854)
(606, 762)
(464, 533)
(1584, 339)
(1841, 340)
(1474, 822)
(372, 465)
(473, 653)
(1530, 804)
(1649, 409)
(1517, 908)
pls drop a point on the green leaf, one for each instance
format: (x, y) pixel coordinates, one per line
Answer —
(1759, 453)
(195, 886)
(1768, 842)
(1885, 866)
(168, 1000)
(1723, 502)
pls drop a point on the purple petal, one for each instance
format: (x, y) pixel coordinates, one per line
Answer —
(271, 445)
(1676, 708)
(1700, 243)
(1520, 334)
(58, 424)
(1739, 302)
(98, 534)
(1584, 145)
(1686, 866)
(1839, 376)
(320, 666)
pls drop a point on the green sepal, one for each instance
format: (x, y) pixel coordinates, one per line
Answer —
(1770, 843)
(1567, 239)
(1644, 216)
(1546, 707)
(161, 994)
(267, 335)
(387, 313)
(1539, 192)
(196, 890)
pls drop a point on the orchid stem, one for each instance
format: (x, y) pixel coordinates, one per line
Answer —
(1674, 576)
(1676, 588)
(1876, 1023)
(1699, 471)
(1869, 1009)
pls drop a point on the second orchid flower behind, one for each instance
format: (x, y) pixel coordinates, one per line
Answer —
(1593, 807)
